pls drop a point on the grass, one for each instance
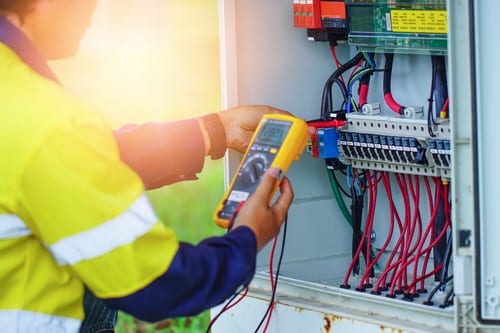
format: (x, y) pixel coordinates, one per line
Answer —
(187, 207)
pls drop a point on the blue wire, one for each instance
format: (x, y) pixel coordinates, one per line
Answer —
(348, 176)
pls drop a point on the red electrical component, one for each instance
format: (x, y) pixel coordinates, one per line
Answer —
(298, 14)
(333, 14)
(307, 14)
(326, 123)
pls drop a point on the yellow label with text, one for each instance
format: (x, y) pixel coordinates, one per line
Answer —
(419, 21)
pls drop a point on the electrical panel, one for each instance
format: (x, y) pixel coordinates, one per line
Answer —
(381, 233)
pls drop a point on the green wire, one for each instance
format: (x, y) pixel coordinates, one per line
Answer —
(338, 198)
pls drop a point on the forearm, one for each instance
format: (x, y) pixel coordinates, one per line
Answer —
(162, 153)
(199, 278)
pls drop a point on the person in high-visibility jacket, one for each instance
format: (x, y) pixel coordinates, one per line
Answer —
(73, 209)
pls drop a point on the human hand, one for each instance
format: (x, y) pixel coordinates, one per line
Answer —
(240, 123)
(265, 220)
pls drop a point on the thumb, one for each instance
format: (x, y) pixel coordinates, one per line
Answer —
(268, 183)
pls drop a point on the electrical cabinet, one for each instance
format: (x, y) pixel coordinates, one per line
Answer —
(388, 266)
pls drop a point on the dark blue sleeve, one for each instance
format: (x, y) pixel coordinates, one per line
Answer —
(199, 278)
(162, 153)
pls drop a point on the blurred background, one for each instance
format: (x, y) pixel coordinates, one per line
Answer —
(156, 60)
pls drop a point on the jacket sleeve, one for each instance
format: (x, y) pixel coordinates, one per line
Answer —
(198, 278)
(162, 153)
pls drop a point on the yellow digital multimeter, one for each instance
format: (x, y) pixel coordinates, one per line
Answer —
(277, 141)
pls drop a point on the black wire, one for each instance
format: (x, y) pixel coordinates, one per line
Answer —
(224, 309)
(448, 298)
(440, 84)
(271, 301)
(356, 220)
(389, 59)
(430, 112)
(447, 258)
(326, 101)
(428, 301)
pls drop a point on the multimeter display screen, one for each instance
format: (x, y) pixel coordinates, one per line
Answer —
(273, 132)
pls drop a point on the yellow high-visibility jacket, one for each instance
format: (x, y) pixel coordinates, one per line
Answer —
(66, 195)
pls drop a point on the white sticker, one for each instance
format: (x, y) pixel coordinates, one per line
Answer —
(238, 196)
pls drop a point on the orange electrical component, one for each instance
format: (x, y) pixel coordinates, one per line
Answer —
(307, 14)
(333, 14)
(298, 14)
(313, 15)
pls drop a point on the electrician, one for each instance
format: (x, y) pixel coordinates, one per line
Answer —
(73, 212)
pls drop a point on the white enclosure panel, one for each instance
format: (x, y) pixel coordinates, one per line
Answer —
(487, 26)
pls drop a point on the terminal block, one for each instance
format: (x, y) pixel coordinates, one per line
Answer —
(397, 144)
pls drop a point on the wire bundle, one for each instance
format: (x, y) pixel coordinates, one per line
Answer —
(405, 269)
(403, 262)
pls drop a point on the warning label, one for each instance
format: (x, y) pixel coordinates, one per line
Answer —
(419, 21)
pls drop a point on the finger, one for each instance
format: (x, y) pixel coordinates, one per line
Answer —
(282, 204)
(267, 184)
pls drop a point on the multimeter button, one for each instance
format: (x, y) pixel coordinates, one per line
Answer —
(273, 150)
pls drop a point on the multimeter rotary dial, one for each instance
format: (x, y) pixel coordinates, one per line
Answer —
(253, 168)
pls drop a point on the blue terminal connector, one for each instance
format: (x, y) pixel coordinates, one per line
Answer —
(328, 143)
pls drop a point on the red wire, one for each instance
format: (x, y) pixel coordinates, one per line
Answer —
(402, 258)
(229, 306)
(421, 238)
(429, 193)
(429, 229)
(337, 62)
(437, 186)
(428, 248)
(437, 239)
(424, 277)
(271, 279)
(355, 257)
(268, 319)
(385, 182)
(369, 222)
(415, 191)
(445, 105)
(363, 94)
(271, 262)
(394, 216)
(391, 103)
(370, 217)
(334, 54)
(242, 296)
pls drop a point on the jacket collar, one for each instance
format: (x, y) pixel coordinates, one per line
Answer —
(15, 39)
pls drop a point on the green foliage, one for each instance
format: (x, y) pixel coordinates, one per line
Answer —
(187, 207)
(127, 324)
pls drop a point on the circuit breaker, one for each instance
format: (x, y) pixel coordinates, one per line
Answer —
(387, 229)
